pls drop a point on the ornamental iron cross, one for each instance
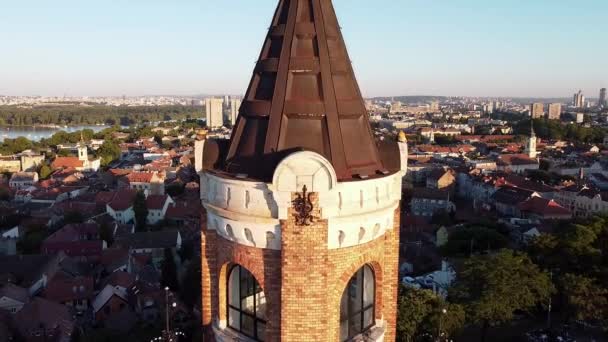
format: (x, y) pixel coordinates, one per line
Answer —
(303, 207)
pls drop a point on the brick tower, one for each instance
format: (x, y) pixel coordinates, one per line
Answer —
(300, 239)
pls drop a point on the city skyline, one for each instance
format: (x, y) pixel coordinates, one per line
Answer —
(469, 49)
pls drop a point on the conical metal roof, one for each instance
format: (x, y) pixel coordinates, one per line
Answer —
(303, 96)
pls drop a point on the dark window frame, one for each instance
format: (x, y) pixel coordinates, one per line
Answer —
(249, 280)
(360, 313)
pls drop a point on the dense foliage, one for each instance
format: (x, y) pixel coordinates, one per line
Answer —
(577, 255)
(556, 130)
(493, 287)
(421, 316)
(93, 115)
(140, 210)
(468, 240)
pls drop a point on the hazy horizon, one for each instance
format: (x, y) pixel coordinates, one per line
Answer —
(533, 49)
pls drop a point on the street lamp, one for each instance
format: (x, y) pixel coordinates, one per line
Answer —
(443, 313)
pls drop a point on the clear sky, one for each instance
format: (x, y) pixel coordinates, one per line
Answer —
(399, 47)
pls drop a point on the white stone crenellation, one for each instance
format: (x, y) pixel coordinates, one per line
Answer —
(249, 212)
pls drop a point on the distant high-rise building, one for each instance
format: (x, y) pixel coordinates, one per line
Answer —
(537, 110)
(214, 112)
(235, 104)
(580, 117)
(489, 108)
(602, 102)
(555, 111)
(579, 100)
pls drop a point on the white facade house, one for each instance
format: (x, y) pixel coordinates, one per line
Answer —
(22, 180)
(157, 207)
(123, 215)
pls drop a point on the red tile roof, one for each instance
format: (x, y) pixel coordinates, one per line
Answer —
(44, 313)
(75, 232)
(544, 207)
(156, 202)
(67, 162)
(123, 200)
(140, 177)
(516, 159)
(64, 288)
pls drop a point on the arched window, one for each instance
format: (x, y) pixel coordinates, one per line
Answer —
(357, 307)
(246, 304)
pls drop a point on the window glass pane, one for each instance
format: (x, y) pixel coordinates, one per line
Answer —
(233, 288)
(368, 318)
(260, 305)
(355, 325)
(355, 292)
(261, 331)
(247, 283)
(247, 305)
(368, 293)
(344, 306)
(343, 330)
(234, 319)
(247, 325)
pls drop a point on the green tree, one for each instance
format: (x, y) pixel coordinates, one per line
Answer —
(493, 287)
(474, 239)
(169, 272)
(45, 171)
(586, 299)
(190, 291)
(5, 194)
(73, 217)
(32, 240)
(175, 189)
(421, 316)
(106, 233)
(109, 151)
(141, 211)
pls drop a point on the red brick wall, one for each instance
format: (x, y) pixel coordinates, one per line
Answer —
(303, 282)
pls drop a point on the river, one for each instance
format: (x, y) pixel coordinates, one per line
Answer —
(35, 133)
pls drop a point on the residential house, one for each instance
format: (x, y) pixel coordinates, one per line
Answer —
(575, 167)
(74, 292)
(152, 243)
(13, 298)
(441, 179)
(76, 240)
(120, 205)
(30, 161)
(111, 300)
(590, 202)
(57, 194)
(8, 241)
(566, 196)
(22, 180)
(157, 207)
(149, 182)
(508, 198)
(29, 271)
(428, 202)
(518, 181)
(43, 320)
(516, 163)
(10, 164)
(543, 209)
